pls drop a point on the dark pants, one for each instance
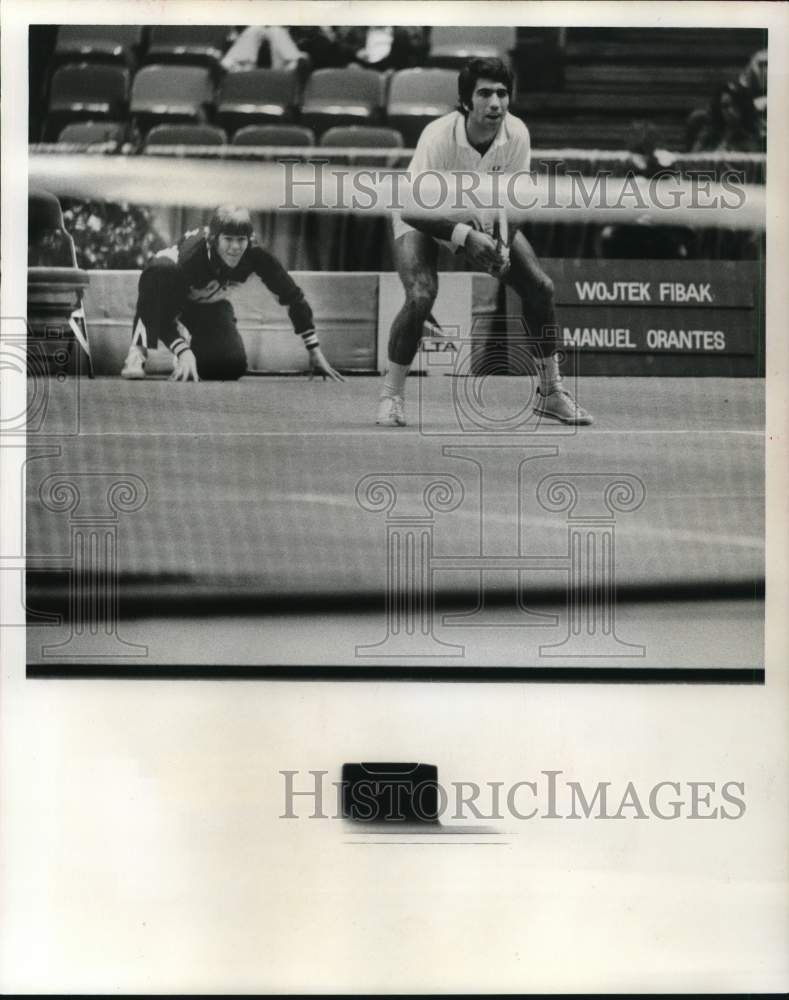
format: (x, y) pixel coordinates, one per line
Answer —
(216, 343)
(416, 257)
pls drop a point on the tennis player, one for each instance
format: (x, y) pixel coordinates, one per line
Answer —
(481, 136)
(183, 301)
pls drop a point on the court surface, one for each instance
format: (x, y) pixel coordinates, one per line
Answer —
(260, 537)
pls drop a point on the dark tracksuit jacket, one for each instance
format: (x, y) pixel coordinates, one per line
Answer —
(189, 284)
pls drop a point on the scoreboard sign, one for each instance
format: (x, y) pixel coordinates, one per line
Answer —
(661, 308)
(658, 330)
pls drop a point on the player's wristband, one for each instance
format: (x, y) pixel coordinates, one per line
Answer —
(310, 338)
(460, 234)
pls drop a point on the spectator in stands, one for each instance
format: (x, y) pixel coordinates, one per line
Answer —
(754, 80)
(323, 46)
(385, 48)
(372, 47)
(642, 144)
(754, 77)
(728, 125)
(261, 44)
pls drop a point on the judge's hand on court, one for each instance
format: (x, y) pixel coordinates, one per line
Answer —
(185, 368)
(320, 366)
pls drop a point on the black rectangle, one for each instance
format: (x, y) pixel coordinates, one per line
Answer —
(390, 792)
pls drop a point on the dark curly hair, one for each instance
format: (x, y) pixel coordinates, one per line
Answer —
(479, 69)
(742, 101)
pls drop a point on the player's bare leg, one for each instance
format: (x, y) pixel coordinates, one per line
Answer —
(527, 278)
(416, 257)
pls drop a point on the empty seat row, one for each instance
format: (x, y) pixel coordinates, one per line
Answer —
(98, 42)
(90, 91)
(205, 44)
(122, 43)
(187, 93)
(366, 137)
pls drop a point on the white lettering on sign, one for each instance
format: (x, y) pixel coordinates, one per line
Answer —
(678, 291)
(598, 337)
(613, 291)
(686, 340)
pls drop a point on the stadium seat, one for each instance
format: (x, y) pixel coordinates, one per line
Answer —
(366, 137)
(274, 135)
(117, 43)
(86, 91)
(347, 240)
(48, 242)
(55, 289)
(171, 93)
(451, 47)
(185, 135)
(197, 44)
(257, 95)
(85, 133)
(342, 97)
(417, 96)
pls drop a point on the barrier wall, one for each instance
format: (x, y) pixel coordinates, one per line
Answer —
(616, 318)
(345, 308)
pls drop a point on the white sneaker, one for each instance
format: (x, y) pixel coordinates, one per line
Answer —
(391, 412)
(560, 405)
(134, 365)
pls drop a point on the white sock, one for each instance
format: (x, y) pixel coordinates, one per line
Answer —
(550, 376)
(394, 380)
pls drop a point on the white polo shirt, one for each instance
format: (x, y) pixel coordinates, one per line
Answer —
(443, 145)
